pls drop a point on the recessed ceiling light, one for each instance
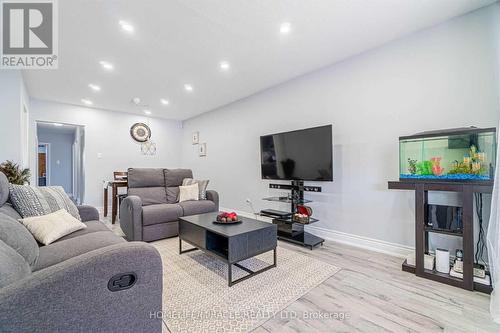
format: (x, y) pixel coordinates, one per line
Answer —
(188, 87)
(147, 112)
(164, 101)
(58, 124)
(106, 65)
(136, 100)
(285, 28)
(86, 101)
(224, 65)
(126, 26)
(94, 87)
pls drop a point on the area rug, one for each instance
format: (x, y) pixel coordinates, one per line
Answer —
(196, 297)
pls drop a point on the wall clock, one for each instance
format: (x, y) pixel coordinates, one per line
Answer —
(140, 132)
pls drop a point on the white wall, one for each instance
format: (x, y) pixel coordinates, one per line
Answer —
(443, 77)
(107, 133)
(14, 111)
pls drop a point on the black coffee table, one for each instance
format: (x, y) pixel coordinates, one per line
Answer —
(231, 243)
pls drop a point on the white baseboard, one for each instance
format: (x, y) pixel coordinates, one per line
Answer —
(372, 244)
(397, 250)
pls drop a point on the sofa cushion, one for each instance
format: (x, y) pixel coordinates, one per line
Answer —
(13, 267)
(15, 235)
(92, 226)
(197, 207)
(145, 177)
(65, 249)
(172, 194)
(36, 201)
(155, 214)
(4, 188)
(150, 195)
(174, 177)
(7, 209)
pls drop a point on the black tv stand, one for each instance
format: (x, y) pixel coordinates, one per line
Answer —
(289, 230)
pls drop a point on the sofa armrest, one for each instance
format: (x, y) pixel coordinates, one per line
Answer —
(213, 196)
(131, 217)
(88, 213)
(74, 294)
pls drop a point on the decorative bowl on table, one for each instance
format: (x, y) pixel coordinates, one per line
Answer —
(227, 218)
(301, 218)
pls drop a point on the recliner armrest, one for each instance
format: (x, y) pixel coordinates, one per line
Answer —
(88, 213)
(214, 197)
(75, 294)
(131, 217)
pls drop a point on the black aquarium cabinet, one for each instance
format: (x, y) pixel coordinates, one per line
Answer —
(422, 230)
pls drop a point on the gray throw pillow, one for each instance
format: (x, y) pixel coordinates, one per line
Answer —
(36, 201)
(202, 186)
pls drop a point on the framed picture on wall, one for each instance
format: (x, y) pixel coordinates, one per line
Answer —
(203, 149)
(196, 138)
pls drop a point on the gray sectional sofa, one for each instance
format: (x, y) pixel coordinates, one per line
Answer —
(67, 285)
(151, 210)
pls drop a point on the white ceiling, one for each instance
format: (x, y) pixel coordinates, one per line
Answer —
(58, 128)
(182, 41)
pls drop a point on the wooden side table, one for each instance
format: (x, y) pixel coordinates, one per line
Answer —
(114, 184)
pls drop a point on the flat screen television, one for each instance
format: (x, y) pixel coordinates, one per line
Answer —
(305, 154)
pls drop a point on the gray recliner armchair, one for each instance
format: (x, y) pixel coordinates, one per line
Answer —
(151, 210)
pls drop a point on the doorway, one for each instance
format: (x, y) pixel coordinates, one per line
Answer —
(43, 164)
(60, 149)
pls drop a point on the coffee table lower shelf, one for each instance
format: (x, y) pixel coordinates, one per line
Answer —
(218, 255)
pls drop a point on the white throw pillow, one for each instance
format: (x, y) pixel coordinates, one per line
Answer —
(49, 228)
(188, 192)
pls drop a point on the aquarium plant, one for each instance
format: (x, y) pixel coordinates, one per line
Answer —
(412, 166)
(424, 168)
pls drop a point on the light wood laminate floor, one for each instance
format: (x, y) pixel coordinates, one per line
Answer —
(374, 295)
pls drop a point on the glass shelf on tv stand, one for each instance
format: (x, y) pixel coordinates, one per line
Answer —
(286, 200)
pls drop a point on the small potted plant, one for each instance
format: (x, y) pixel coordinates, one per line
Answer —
(15, 174)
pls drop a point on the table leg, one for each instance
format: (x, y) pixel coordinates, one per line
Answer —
(114, 198)
(105, 201)
(229, 274)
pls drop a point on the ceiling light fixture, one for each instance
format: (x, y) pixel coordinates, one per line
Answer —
(86, 101)
(147, 112)
(106, 65)
(164, 101)
(126, 26)
(188, 87)
(285, 28)
(94, 87)
(224, 65)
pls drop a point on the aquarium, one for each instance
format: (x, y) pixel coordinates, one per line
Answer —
(463, 154)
